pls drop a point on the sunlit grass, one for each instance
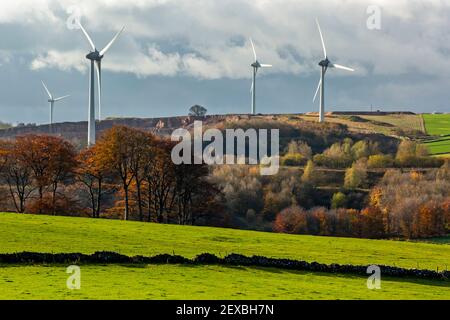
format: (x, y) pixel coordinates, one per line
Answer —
(36, 233)
(204, 282)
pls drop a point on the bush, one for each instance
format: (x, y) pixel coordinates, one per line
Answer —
(339, 200)
(293, 159)
(356, 176)
(380, 161)
(300, 147)
(291, 220)
(412, 154)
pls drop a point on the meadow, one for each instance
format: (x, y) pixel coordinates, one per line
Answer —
(40, 233)
(384, 124)
(204, 282)
(438, 125)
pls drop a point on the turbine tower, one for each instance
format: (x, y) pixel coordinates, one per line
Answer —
(325, 64)
(95, 57)
(255, 65)
(52, 101)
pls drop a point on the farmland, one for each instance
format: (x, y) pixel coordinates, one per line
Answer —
(438, 125)
(39, 233)
(203, 282)
(390, 124)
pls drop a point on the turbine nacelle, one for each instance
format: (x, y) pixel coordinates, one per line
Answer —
(256, 64)
(95, 56)
(325, 63)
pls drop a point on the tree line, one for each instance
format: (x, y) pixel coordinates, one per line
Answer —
(407, 205)
(128, 174)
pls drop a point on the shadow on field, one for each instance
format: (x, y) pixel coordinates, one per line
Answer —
(442, 284)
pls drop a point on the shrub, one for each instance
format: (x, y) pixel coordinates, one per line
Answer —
(309, 174)
(339, 200)
(291, 220)
(300, 147)
(356, 176)
(293, 159)
(380, 161)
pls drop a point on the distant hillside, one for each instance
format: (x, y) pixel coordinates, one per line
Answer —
(77, 131)
(292, 127)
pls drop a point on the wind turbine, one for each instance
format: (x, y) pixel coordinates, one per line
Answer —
(255, 65)
(96, 58)
(52, 101)
(325, 64)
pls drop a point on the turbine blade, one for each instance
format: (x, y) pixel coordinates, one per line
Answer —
(254, 51)
(321, 38)
(87, 37)
(99, 78)
(62, 98)
(251, 88)
(317, 90)
(105, 49)
(266, 66)
(338, 66)
(46, 89)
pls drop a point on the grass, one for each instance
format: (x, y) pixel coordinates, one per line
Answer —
(439, 146)
(438, 125)
(206, 282)
(407, 122)
(384, 124)
(441, 240)
(65, 234)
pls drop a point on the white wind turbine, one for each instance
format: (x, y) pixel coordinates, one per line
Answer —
(255, 65)
(96, 58)
(325, 64)
(52, 101)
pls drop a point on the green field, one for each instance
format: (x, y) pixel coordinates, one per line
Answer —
(65, 234)
(438, 125)
(204, 282)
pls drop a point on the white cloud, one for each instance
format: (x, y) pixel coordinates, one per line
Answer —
(66, 61)
(208, 38)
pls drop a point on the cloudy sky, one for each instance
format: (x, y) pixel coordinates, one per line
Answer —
(176, 53)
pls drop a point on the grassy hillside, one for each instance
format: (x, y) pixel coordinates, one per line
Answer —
(65, 234)
(205, 282)
(438, 125)
(384, 124)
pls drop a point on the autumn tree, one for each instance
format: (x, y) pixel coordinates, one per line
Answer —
(116, 150)
(310, 174)
(94, 176)
(143, 159)
(51, 160)
(16, 174)
(194, 193)
(161, 181)
(356, 176)
(62, 165)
